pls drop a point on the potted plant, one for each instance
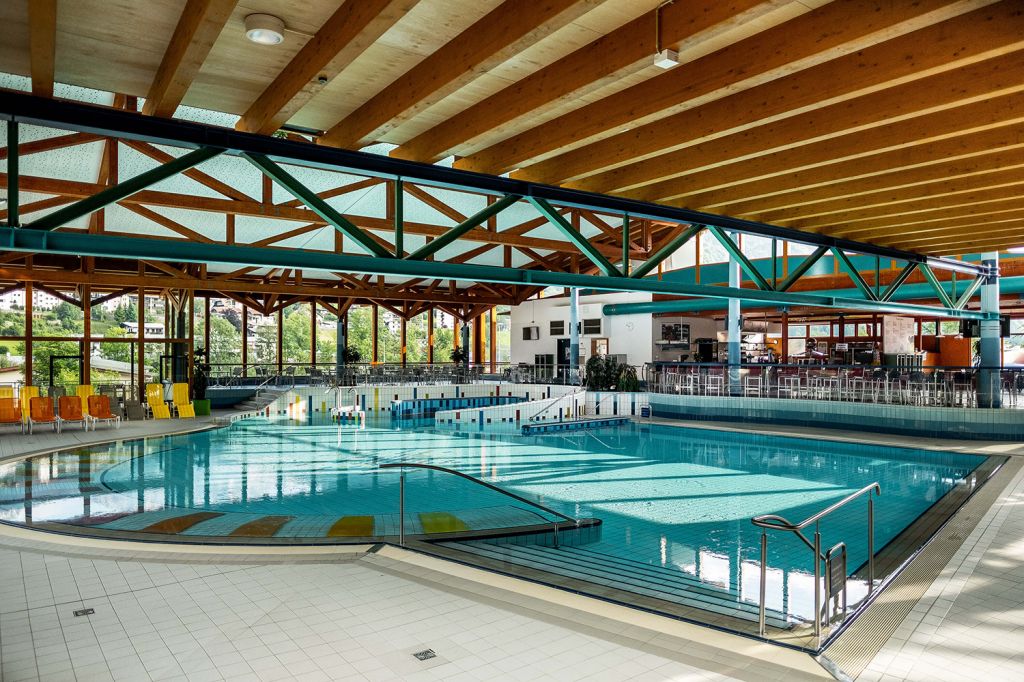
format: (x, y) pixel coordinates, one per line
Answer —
(460, 356)
(200, 381)
(351, 355)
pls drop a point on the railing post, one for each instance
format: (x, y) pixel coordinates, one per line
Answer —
(871, 540)
(764, 581)
(401, 507)
(817, 583)
(555, 527)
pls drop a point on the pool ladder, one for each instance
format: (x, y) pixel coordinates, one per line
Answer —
(834, 559)
(402, 466)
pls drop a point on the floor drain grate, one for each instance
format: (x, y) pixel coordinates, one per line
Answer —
(85, 612)
(425, 655)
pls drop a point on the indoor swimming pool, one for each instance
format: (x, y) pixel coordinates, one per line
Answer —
(674, 503)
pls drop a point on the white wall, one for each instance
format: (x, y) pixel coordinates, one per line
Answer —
(627, 334)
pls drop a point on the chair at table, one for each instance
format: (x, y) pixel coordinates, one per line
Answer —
(41, 412)
(155, 401)
(69, 411)
(10, 413)
(182, 405)
(99, 410)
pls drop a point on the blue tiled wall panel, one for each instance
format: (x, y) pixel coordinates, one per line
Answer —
(931, 422)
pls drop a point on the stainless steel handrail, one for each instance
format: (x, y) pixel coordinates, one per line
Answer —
(434, 467)
(776, 522)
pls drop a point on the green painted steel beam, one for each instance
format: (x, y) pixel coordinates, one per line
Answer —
(664, 252)
(734, 251)
(13, 174)
(933, 280)
(110, 246)
(969, 292)
(473, 221)
(847, 265)
(317, 205)
(802, 269)
(901, 278)
(125, 189)
(556, 219)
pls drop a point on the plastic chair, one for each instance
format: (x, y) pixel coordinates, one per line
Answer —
(69, 410)
(182, 405)
(134, 410)
(26, 394)
(10, 413)
(41, 412)
(83, 391)
(155, 400)
(99, 410)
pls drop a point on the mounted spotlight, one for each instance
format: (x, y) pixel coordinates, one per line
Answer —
(264, 29)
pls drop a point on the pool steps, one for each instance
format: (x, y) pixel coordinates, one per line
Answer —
(607, 571)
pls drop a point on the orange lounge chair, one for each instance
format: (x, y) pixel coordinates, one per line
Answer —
(40, 411)
(69, 410)
(99, 410)
(10, 412)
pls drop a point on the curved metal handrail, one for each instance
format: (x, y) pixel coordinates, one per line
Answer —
(765, 520)
(434, 467)
(768, 522)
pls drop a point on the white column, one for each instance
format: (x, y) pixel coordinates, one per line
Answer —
(574, 334)
(732, 326)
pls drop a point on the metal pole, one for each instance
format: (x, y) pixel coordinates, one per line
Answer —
(555, 527)
(13, 177)
(764, 580)
(401, 507)
(871, 542)
(817, 583)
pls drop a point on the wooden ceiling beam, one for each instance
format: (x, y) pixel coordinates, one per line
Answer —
(499, 35)
(864, 114)
(42, 45)
(928, 129)
(199, 176)
(882, 227)
(863, 79)
(354, 26)
(623, 52)
(911, 210)
(825, 33)
(51, 143)
(1008, 175)
(905, 169)
(198, 27)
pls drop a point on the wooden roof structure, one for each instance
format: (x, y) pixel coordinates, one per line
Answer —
(894, 123)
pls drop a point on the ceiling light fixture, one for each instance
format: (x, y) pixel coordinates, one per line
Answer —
(663, 58)
(264, 29)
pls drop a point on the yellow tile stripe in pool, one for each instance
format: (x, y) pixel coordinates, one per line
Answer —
(262, 528)
(441, 522)
(352, 527)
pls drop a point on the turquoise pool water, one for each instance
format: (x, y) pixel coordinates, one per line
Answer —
(673, 499)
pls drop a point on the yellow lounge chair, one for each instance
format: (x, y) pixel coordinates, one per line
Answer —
(155, 401)
(182, 405)
(24, 396)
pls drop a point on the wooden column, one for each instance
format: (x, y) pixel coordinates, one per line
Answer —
(404, 340)
(312, 333)
(492, 317)
(191, 325)
(141, 349)
(86, 333)
(785, 338)
(478, 339)
(373, 334)
(455, 333)
(280, 340)
(245, 340)
(206, 326)
(28, 333)
(430, 335)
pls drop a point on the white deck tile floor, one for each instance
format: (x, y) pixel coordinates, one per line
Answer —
(329, 621)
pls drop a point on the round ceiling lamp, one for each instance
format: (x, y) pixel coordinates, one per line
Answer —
(264, 29)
